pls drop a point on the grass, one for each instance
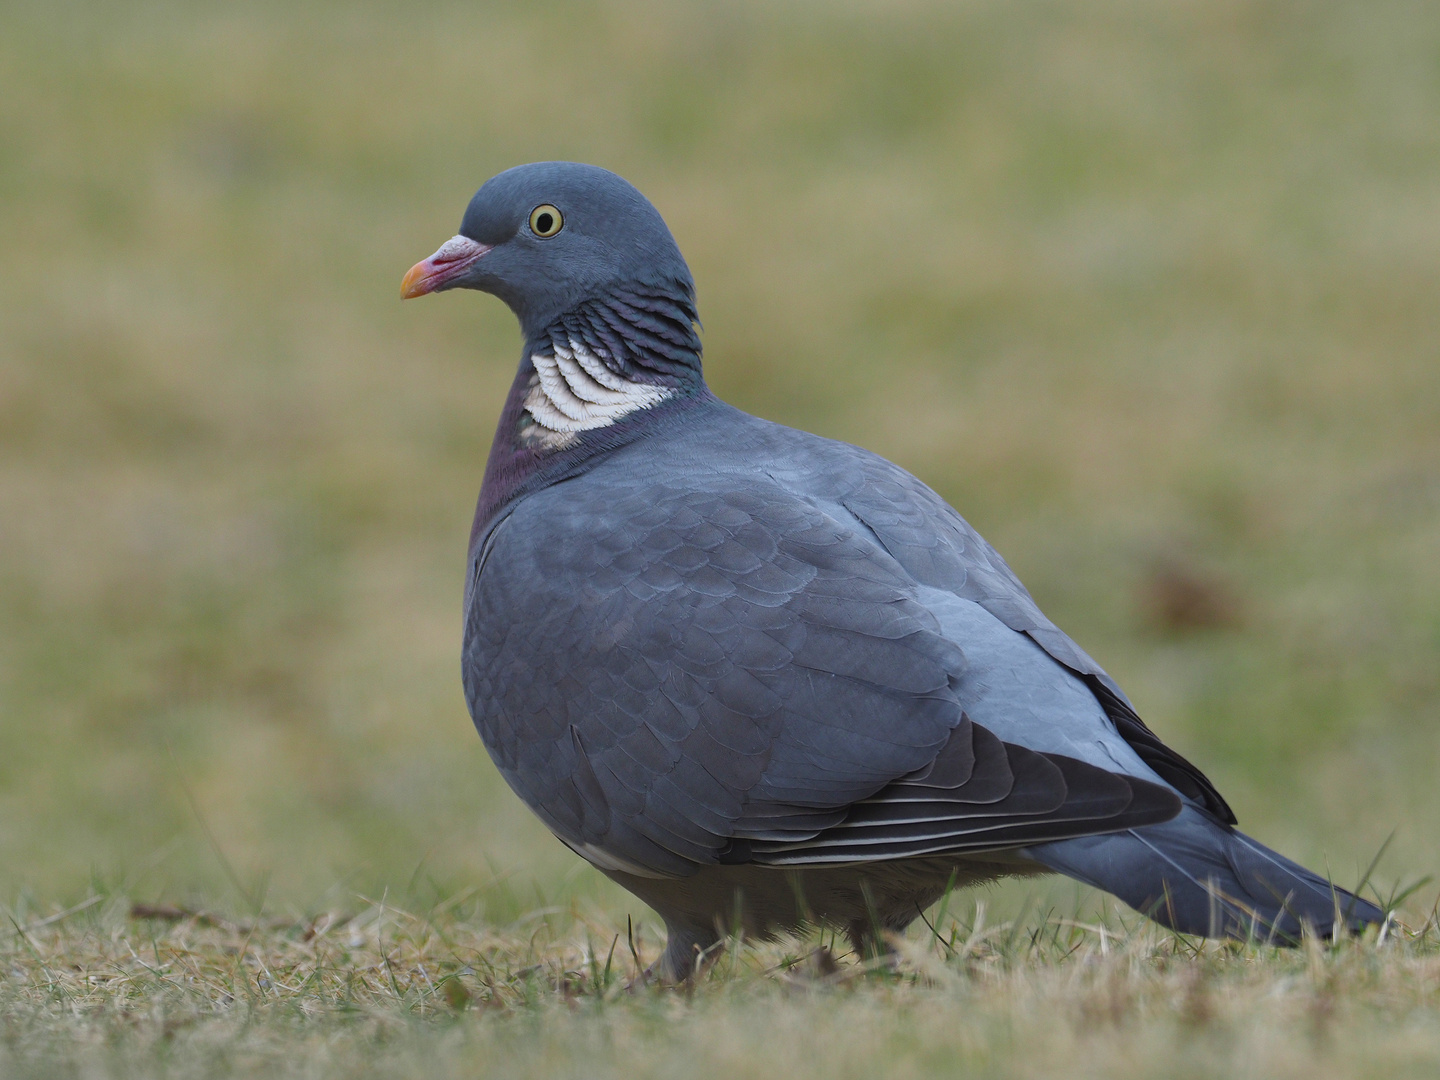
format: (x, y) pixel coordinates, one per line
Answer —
(1147, 291)
(376, 990)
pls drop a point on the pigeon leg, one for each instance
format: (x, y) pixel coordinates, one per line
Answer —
(870, 934)
(686, 945)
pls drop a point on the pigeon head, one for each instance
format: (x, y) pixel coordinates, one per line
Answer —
(574, 250)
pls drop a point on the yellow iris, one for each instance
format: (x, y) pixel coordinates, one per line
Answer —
(545, 220)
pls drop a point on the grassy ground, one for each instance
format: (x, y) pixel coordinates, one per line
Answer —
(1147, 291)
(382, 991)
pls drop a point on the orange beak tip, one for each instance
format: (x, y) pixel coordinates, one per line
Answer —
(415, 284)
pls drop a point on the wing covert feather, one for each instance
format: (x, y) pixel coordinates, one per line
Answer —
(939, 548)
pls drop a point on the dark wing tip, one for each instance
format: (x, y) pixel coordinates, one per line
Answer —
(1048, 797)
(1172, 767)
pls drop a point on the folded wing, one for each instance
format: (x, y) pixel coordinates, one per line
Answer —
(672, 676)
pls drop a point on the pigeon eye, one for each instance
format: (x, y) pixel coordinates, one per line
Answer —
(545, 220)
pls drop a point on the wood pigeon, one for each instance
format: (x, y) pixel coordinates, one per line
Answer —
(763, 679)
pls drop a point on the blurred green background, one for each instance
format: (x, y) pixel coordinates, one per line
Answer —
(1150, 292)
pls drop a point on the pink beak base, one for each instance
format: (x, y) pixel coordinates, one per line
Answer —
(455, 256)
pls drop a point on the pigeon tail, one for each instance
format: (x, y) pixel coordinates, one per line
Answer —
(1198, 876)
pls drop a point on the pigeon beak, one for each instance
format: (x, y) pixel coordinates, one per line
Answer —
(437, 272)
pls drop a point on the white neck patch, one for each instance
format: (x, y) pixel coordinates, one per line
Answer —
(573, 391)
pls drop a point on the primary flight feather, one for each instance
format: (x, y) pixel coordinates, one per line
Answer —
(754, 674)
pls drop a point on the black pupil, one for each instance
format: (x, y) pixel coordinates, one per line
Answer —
(543, 223)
